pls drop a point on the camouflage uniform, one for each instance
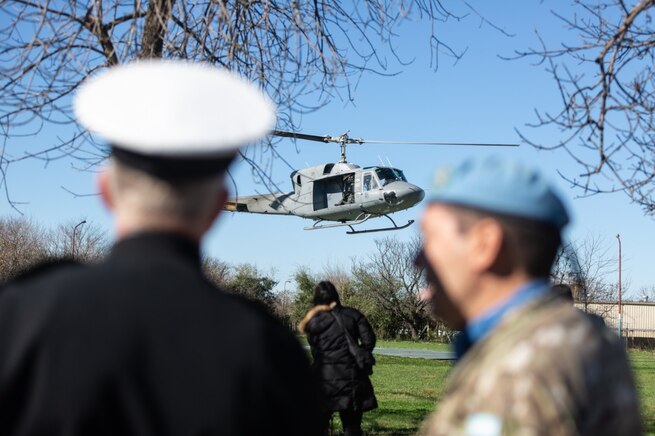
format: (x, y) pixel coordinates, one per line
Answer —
(546, 369)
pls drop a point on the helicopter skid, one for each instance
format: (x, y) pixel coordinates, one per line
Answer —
(317, 225)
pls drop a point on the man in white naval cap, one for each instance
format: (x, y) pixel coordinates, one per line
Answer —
(143, 344)
(529, 362)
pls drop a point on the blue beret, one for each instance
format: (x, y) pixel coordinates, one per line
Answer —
(502, 186)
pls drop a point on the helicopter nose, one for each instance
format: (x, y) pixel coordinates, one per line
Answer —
(404, 194)
(415, 195)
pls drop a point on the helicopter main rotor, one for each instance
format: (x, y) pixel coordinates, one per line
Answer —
(343, 140)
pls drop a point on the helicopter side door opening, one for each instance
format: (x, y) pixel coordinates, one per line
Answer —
(327, 192)
(348, 190)
(334, 191)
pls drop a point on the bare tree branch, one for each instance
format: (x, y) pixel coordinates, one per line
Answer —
(606, 80)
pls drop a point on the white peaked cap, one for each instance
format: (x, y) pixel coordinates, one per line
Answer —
(174, 109)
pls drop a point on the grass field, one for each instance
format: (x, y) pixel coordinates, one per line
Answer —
(415, 345)
(408, 389)
(643, 363)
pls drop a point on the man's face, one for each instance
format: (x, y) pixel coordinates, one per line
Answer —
(447, 252)
(438, 302)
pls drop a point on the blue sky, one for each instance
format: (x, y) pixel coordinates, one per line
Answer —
(481, 98)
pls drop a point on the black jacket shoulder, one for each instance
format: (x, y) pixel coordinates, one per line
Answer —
(43, 267)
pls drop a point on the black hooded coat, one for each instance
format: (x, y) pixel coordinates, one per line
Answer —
(344, 386)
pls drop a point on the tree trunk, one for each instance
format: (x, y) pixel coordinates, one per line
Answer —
(159, 12)
(413, 331)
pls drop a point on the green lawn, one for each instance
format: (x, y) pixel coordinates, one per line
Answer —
(643, 363)
(415, 345)
(408, 389)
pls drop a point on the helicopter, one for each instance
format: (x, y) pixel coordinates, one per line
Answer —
(342, 194)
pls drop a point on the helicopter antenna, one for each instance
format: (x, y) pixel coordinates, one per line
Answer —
(389, 162)
(380, 159)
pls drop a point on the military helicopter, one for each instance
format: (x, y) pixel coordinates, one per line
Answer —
(341, 194)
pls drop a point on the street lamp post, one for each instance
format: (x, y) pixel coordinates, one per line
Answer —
(285, 285)
(618, 237)
(73, 238)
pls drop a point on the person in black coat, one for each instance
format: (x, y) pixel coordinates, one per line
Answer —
(346, 388)
(142, 344)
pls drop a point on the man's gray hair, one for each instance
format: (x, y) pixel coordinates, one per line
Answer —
(185, 201)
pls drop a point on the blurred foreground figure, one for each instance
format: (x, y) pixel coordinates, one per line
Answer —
(529, 362)
(143, 344)
(342, 343)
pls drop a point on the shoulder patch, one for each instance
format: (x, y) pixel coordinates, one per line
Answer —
(483, 424)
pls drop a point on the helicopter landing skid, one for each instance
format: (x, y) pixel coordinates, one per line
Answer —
(382, 229)
(358, 221)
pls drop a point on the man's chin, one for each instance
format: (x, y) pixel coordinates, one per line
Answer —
(443, 309)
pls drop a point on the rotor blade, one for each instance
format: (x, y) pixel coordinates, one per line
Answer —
(284, 134)
(472, 144)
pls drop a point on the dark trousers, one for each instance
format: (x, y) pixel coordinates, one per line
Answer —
(351, 420)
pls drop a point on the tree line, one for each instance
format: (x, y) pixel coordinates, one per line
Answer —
(385, 284)
(24, 243)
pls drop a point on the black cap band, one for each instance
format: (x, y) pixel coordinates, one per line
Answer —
(173, 167)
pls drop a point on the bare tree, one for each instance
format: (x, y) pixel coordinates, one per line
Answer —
(342, 279)
(391, 279)
(284, 303)
(22, 244)
(646, 294)
(84, 243)
(302, 53)
(587, 266)
(217, 271)
(605, 76)
(87, 243)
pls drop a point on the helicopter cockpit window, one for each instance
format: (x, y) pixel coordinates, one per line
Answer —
(369, 182)
(388, 175)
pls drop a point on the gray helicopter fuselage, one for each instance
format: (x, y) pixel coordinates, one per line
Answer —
(336, 192)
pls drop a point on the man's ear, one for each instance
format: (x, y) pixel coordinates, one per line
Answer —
(104, 186)
(218, 208)
(222, 198)
(487, 241)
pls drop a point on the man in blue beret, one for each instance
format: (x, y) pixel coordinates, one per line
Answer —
(529, 363)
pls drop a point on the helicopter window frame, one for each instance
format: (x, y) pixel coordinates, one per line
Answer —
(383, 172)
(373, 182)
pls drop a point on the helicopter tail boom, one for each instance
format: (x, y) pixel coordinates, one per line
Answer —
(272, 204)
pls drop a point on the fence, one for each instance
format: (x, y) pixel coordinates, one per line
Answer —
(637, 319)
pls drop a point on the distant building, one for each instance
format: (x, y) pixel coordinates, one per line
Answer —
(637, 319)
